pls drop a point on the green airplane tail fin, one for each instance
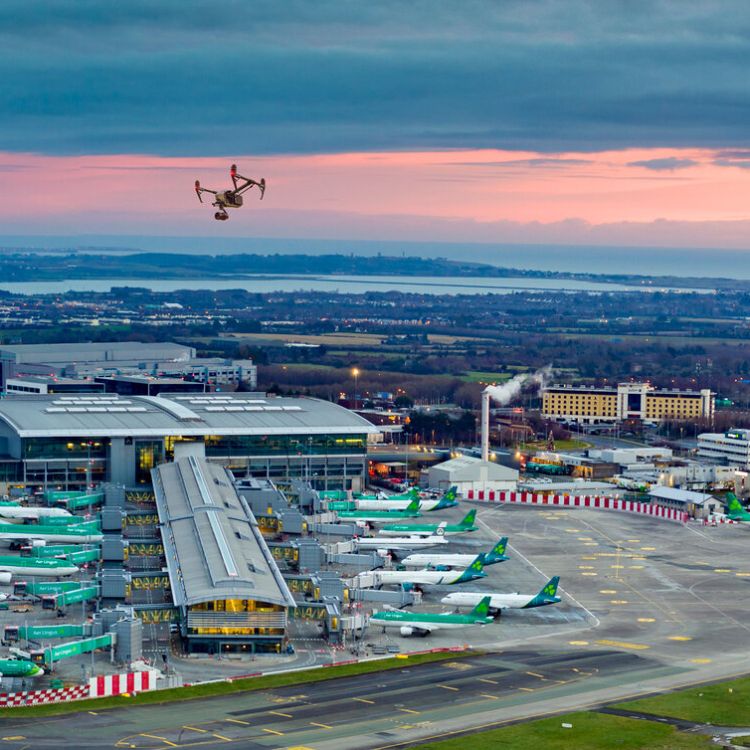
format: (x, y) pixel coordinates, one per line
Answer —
(414, 493)
(733, 504)
(451, 493)
(482, 609)
(413, 506)
(469, 518)
(498, 551)
(548, 593)
(475, 570)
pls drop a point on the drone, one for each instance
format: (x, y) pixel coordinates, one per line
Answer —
(230, 198)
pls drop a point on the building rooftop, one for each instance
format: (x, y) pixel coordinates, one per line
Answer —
(680, 496)
(110, 415)
(96, 352)
(212, 544)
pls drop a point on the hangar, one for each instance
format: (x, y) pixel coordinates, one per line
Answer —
(470, 473)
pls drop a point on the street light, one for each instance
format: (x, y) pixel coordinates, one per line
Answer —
(355, 374)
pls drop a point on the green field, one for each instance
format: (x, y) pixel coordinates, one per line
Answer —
(476, 376)
(727, 703)
(560, 445)
(590, 731)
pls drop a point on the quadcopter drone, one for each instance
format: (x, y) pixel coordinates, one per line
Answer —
(230, 198)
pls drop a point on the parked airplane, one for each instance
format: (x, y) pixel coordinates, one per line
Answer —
(411, 578)
(447, 500)
(411, 494)
(19, 668)
(381, 516)
(499, 602)
(735, 511)
(395, 543)
(36, 566)
(424, 623)
(75, 534)
(440, 561)
(21, 513)
(466, 524)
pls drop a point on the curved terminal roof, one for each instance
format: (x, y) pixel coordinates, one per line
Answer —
(182, 414)
(212, 544)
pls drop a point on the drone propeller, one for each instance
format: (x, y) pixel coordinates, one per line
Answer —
(262, 186)
(233, 174)
(198, 190)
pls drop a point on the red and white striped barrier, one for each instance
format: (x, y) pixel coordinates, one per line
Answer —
(39, 697)
(116, 684)
(579, 501)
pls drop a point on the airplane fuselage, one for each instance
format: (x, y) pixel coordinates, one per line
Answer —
(465, 599)
(403, 542)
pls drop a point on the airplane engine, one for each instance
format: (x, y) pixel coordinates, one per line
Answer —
(38, 543)
(5, 577)
(406, 631)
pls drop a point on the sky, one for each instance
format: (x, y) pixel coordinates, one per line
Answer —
(596, 122)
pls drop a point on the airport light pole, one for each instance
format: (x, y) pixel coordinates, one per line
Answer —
(355, 374)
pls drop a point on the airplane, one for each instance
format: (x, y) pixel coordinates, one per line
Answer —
(735, 511)
(36, 566)
(76, 534)
(440, 561)
(230, 198)
(381, 516)
(410, 578)
(447, 500)
(411, 494)
(424, 623)
(399, 542)
(499, 602)
(464, 525)
(19, 668)
(21, 513)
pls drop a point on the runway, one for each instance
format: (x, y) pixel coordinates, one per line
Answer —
(371, 711)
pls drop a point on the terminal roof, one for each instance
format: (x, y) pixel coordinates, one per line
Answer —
(212, 544)
(184, 414)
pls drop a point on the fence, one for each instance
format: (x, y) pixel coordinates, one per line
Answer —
(579, 501)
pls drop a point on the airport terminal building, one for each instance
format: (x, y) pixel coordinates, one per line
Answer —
(70, 442)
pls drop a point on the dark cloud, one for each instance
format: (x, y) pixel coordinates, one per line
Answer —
(668, 163)
(207, 78)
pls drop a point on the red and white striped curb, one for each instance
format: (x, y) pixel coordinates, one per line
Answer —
(38, 697)
(116, 684)
(579, 501)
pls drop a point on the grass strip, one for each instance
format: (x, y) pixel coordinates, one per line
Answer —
(589, 731)
(721, 704)
(207, 690)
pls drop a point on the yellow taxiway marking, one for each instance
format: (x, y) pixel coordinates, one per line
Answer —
(590, 544)
(742, 575)
(635, 567)
(14, 738)
(722, 570)
(195, 729)
(616, 567)
(588, 573)
(490, 697)
(459, 665)
(281, 713)
(648, 549)
(299, 747)
(578, 643)
(646, 619)
(222, 737)
(163, 739)
(573, 531)
(585, 539)
(700, 661)
(448, 687)
(618, 601)
(527, 690)
(409, 711)
(238, 721)
(322, 726)
(536, 674)
(93, 713)
(363, 700)
(632, 541)
(624, 644)
(607, 591)
(589, 557)
(636, 557)
(271, 731)
(585, 567)
(488, 681)
(680, 638)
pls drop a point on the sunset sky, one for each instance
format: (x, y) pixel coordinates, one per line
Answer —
(601, 122)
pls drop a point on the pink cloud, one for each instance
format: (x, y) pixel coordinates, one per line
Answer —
(611, 197)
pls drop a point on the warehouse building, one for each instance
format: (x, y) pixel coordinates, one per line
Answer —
(731, 448)
(71, 442)
(640, 401)
(469, 473)
(695, 504)
(225, 584)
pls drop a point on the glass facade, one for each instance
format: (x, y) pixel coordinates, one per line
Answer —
(283, 445)
(64, 448)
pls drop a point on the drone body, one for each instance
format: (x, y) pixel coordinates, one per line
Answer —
(225, 199)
